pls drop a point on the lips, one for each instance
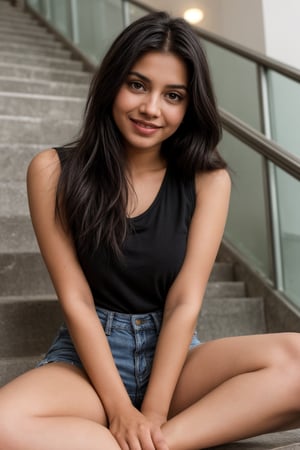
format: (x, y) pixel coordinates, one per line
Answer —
(146, 125)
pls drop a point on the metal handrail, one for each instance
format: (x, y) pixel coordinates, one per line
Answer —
(258, 142)
(251, 55)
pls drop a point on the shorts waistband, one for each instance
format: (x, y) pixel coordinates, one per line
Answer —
(110, 319)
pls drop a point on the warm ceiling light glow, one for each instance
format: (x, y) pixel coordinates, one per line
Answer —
(193, 15)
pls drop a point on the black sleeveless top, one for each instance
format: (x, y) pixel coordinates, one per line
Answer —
(153, 250)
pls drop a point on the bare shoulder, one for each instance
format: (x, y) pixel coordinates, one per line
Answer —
(44, 167)
(213, 181)
(43, 172)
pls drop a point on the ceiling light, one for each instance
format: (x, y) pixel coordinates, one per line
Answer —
(193, 15)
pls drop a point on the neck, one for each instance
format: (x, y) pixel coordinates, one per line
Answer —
(143, 161)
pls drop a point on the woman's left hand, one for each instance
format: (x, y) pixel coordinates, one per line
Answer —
(135, 431)
(157, 422)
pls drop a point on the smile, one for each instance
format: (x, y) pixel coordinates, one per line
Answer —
(145, 125)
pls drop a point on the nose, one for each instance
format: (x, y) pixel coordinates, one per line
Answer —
(150, 105)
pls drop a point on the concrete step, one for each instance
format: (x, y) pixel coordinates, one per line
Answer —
(40, 61)
(33, 34)
(28, 49)
(35, 31)
(13, 199)
(284, 440)
(225, 289)
(30, 272)
(17, 237)
(48, 41)
(43, 73)
(14, 160)
(9, 17)
(222, 317)
(18, 21)
(28, 324)
(10, 368)
(221, 272)
(38, 131)
(43, 87)
(37, 105)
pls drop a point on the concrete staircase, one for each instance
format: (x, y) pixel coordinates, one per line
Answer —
(42, 93)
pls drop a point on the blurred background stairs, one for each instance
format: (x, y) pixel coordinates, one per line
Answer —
(42, 94)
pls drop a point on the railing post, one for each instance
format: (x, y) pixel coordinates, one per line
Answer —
(74, 21)
(271, 183)
(46, 9)
(126, 13)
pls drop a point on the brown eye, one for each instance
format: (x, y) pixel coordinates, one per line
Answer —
(174, 97)
(136, 85)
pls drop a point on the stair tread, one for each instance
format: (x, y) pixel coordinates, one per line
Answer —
(43, 87)
(44, 83)
(37, 119)
(7, 299)
(26, 96)
(42, 69)
(28, 30)
(33, 50)
(44, 73)
(40, 61)
(49, 43)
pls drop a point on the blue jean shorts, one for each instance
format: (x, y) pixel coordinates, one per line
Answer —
(132, 339)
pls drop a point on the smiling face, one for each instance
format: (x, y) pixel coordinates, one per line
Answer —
(152, 101)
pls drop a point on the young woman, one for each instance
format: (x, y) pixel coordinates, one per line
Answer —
(129, 220)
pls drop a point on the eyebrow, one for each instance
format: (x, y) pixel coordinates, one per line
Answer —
(169, 86)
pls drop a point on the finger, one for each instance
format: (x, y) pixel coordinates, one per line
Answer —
(134, 443)
(146, 439)
(159, 440)
(122, 442)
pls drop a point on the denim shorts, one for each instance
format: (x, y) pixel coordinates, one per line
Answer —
(132, 339)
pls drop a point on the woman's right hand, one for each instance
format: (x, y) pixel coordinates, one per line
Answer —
(133, 431)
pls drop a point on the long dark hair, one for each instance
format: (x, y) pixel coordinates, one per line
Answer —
(92, 191)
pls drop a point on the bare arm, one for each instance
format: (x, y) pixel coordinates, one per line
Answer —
(70, 283)
(186, 294)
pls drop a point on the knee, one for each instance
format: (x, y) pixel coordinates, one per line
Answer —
(287, 351)
(286, 361)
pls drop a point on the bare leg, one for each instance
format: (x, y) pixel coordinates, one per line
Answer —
(235, 388)
(53, 408)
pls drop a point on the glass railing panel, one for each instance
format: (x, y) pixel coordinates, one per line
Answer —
(246, 227)
(284, 97)
(41, 6)
(135, 12)
(99, 22)
(288, 189)
(60, 13)
(236, 84)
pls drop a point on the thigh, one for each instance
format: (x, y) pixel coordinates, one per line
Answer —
(212, 363)
(56, 389)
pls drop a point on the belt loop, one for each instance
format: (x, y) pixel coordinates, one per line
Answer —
(109, 321)
(157, 319)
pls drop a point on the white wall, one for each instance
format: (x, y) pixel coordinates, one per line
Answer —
(241, 21)
(238, 20)
(282, 30)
